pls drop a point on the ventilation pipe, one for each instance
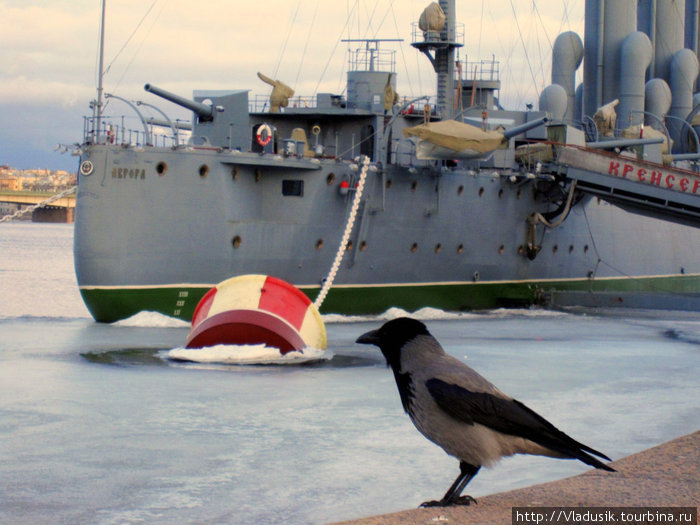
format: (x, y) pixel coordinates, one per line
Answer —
(636, 57)
(620, 21)
(684, 72)
(578, 103)
(692, 15)
(555, 101)
(646, 21)
(566, 58)
(608, 22)
(593, 57)
(657, 100)
(670, 35)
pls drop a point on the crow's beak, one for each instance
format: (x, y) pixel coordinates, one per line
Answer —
(370, 338)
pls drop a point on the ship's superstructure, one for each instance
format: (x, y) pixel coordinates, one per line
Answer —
(466, 204)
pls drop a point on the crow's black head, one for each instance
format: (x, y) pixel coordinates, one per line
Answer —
(391, 337)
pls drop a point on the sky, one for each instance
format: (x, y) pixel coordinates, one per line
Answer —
(49, 58)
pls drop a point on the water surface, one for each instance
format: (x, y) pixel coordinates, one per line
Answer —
(98, 426)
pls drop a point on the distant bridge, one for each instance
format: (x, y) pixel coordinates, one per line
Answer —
(59, 210)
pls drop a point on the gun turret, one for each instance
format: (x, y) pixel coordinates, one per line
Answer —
(204, 112)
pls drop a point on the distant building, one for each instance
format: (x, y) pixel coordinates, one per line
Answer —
(12, 179)
(10, 183)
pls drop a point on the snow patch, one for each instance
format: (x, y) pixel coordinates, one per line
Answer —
(246, 355)
(147, 319)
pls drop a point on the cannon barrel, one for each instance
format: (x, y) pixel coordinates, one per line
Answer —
(624, 143)
(517, 130)
(203, 111)
(187, 126)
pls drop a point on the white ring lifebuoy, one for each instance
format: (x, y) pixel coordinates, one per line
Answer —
(263, 135)
(86, 167)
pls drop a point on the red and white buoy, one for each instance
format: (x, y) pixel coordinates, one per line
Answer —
(257, 309)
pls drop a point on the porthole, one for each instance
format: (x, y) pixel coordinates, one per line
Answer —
(414, 185)
(319, 244)
(481, 192)
(438, 248)
(475, 276)
(363, 246)
(501, 249)
(500, 193)
(203, 170)
(555, 248)
(234, 173)
(161, 168)
(517, 195)
(571, 248)
(348, 246)
(460, 248)
(236, 242)
(414, 247)
(389, 183)
(258, 175)
(460, 190)
(330, 179)
(585, 249)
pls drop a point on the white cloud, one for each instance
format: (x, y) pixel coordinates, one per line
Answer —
(220, 43)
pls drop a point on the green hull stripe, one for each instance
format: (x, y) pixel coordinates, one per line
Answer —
(109, 304)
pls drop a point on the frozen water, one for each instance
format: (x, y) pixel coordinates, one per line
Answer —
(98, 426)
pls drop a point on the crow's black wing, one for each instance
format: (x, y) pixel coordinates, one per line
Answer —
(508, 417)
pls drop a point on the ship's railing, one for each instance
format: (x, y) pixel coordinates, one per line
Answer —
(480, 70)
(117, 130)
(371, 58)
(419, 108)
(261, 103)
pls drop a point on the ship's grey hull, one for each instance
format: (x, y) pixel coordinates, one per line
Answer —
(212, 214)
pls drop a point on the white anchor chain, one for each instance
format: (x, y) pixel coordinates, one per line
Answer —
(328, 282)
(53, 198)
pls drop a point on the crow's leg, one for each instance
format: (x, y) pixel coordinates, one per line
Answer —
(452, 496)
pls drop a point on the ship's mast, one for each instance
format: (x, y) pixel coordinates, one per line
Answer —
(442, 46)
(100, 89)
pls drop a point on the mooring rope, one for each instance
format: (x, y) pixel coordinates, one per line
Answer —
(328, 281)
(53, 198)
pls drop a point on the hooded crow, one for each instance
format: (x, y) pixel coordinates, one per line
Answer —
(457, 409)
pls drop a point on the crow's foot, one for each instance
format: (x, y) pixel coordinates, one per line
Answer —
(433, 503)
(462, 500)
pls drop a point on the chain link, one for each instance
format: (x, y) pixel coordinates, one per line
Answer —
(53, 198)
(328, 282)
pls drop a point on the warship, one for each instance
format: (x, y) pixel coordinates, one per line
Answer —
(459, 203)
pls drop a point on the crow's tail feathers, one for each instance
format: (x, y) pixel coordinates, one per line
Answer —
(590, 460)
